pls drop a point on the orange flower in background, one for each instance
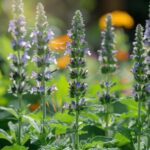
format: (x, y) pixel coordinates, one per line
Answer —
(63, 61)
(119, 19)
(34, 106)
(59, 43)
(122, 55)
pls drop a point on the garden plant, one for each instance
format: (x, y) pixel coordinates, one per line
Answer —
(94, 115)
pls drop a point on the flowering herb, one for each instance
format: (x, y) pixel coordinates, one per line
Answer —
(43, 57)
(77, 48)
(19, 59)
(147, 85)
(140, 75)
(108, 66)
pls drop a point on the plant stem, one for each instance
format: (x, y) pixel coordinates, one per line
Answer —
(107, 112)
(43, 113)
(106, 119)
(43, 104)
(20, 103)
(139, 125)
(20, 119)
(148, 136)
(76, 127)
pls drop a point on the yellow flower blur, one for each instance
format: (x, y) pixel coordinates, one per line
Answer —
(63, 61)
(119, 19)
(59, 43)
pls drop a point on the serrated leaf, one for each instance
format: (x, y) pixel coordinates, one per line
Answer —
(4, 135)
(11, 111)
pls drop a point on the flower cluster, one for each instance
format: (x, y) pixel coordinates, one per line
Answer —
(43, 57)
(107, 59)
(140, 69)
(107, 48)
(77, 48)
(147, 45)
(75, 105)
(19, 59)
(106, 97)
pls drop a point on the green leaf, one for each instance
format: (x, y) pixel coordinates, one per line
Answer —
(64, 117)
(59, 128)
(15, 147)
(11, 111)
(32, 122)
(121, 139)
(131, 104)
(4, 135)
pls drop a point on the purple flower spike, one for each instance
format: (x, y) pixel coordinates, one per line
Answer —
(21, 21)
(47, 74)
(13, 57)
(147, 88)
(66, 106)
(73, 105)
(41, 89)
(12, 26)
(33, 90)
(68, 51)
(69, 33)
(50, 35)
(147, 33)
(36, 59)
(34, 75)
(53, 88)
(25, 57)
(78, 85)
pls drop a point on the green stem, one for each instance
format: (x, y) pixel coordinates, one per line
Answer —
(20, 103)
(107, 112)
(43, 104)
(139, 125)
(148, 136)
(43, 113)
(106, 119)
(20, 119)
(76, 127)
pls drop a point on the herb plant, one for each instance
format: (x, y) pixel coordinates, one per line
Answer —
(116, 122)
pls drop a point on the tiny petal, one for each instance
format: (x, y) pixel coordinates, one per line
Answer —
(12, 26)
(69, 33)
(25, 57)
(35, 59)
(33, 90)
(12, 57)
(41, 89)
(73, 105)
(147, 88)
(34, 75)
(53, 88)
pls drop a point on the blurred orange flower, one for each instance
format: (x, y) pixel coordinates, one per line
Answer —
(63, 61)
(122, 55)
(34, 106)
(59, 43)
(119, 19)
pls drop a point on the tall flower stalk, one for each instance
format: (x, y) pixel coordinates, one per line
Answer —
(44, 59)
(108, 66)
(140, 75)
(19, 59)
(147, 86)
(78, 49)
